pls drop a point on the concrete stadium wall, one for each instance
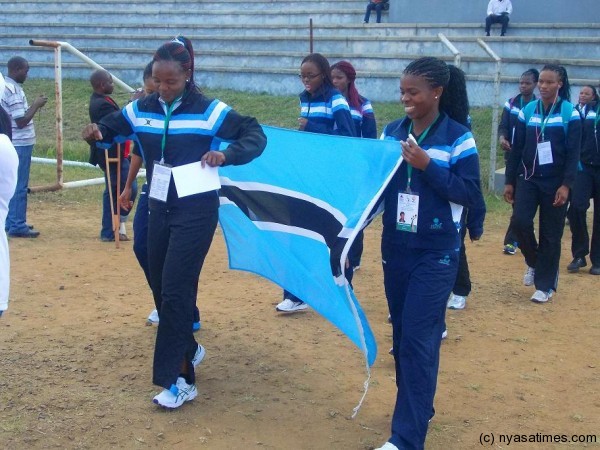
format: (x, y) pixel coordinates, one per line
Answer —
(528, 11)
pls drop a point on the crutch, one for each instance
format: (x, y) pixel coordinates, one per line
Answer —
(115, 214)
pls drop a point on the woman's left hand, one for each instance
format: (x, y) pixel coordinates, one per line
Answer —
(561, 197)
(415, 155)
(213, 159)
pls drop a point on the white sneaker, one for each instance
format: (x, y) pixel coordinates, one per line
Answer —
(153, 317)
(457, 302)
(541, 296)
(445, 333)
(356, 268)
(387, 446)
(199, 356)
(529, 277)
(184, 393)
(288, 305)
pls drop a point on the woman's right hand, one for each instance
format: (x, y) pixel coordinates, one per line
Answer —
(504, 144)
(91, 133)
(302, 121)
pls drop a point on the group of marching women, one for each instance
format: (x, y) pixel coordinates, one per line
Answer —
(553, 167)
(438, 178)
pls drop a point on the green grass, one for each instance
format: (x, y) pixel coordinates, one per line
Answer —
(280, 111)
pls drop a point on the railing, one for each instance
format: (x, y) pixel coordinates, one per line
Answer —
(495, 111)
(58, 46)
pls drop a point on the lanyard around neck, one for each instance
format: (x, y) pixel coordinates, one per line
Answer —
(409, 168)
(170, 109)
(542, 111)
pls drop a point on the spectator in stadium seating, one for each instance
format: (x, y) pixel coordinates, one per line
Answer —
(378, 6)
(498, 11)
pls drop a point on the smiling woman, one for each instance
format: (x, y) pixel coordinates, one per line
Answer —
(438, 177)
(185, 129)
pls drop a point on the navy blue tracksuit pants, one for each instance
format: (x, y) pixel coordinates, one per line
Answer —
(140, 238)
(587, 185)
(544, 256)
(178, 241)
(417, 285)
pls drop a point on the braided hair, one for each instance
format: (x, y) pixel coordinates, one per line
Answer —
(179, 50)
(533, 73)
(323, 64)
(565, 89)
(454, 100)
(350, 72)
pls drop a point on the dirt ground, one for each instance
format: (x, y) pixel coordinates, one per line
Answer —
(75, 354)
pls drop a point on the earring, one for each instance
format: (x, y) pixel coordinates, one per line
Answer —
(187, 81)
(436, 97)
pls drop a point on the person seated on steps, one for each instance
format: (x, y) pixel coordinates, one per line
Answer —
(378, 6)
(498, 11)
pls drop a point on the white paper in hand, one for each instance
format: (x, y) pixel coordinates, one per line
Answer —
(192, 179)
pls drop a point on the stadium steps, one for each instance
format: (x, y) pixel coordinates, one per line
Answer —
(257, 45)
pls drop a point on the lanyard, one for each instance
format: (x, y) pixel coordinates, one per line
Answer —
(597, 118)
(541, 107)
(409, 168)
(166, 127)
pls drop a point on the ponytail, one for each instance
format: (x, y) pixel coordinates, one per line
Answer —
(454, 100)
(181, 51)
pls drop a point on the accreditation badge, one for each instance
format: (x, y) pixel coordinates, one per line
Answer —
(161, 178)
(407, 213)
(544, 150)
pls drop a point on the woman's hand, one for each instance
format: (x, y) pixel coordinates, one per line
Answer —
(91, 133)
(561, 197)
(415, 155)
(504, 144)
(509, 193)
(213, 159)
(302, 121)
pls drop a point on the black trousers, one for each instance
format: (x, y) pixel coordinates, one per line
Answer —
(462, 285)
(178, 241)
(587, 185)
(503, 19)
(545, 255)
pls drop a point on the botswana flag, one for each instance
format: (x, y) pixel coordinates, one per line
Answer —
(291, 216)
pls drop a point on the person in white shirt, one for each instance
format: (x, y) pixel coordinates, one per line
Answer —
(9, 163)
(498, 11)
(15, 104)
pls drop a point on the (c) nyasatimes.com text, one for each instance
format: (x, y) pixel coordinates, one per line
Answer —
(489, 439)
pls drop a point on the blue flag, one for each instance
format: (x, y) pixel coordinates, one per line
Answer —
(292, 214)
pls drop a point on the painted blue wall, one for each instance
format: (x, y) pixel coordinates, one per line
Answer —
(470, 11)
